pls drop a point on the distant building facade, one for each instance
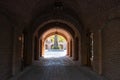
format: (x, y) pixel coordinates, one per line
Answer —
(49, 44)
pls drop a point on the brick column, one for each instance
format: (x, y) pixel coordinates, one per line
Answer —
(83, 48)
(76, 52)
(40, 47)
(70, 48)
(37, 49)
(97, 55)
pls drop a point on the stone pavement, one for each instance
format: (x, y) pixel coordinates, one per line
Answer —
(62, 68)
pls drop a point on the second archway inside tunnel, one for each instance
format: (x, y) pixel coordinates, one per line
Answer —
(55, 43)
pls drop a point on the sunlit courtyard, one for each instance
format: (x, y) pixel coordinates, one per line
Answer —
(55, 46)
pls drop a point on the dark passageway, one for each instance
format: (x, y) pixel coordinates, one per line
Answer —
(62, 68)
(91, 32)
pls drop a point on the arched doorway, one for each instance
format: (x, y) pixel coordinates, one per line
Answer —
(63, 38)
(67, 30)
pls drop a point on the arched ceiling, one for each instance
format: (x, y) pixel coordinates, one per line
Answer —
(60, 26)
(90, 12)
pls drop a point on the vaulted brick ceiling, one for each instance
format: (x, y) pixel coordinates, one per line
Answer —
(88, 11)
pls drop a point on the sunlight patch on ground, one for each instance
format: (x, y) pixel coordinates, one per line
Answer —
(54, 54)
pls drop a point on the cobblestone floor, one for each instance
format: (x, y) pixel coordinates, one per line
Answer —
(62, 68)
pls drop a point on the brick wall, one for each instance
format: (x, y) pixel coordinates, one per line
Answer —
(111, 50)
(5, 48)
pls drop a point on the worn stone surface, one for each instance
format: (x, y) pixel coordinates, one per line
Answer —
(57, 69)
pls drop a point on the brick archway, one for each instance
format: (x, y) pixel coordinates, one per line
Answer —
(69, 28)
(60, 32)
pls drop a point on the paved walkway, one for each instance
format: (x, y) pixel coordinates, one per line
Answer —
(54, 53)
(61, 68)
